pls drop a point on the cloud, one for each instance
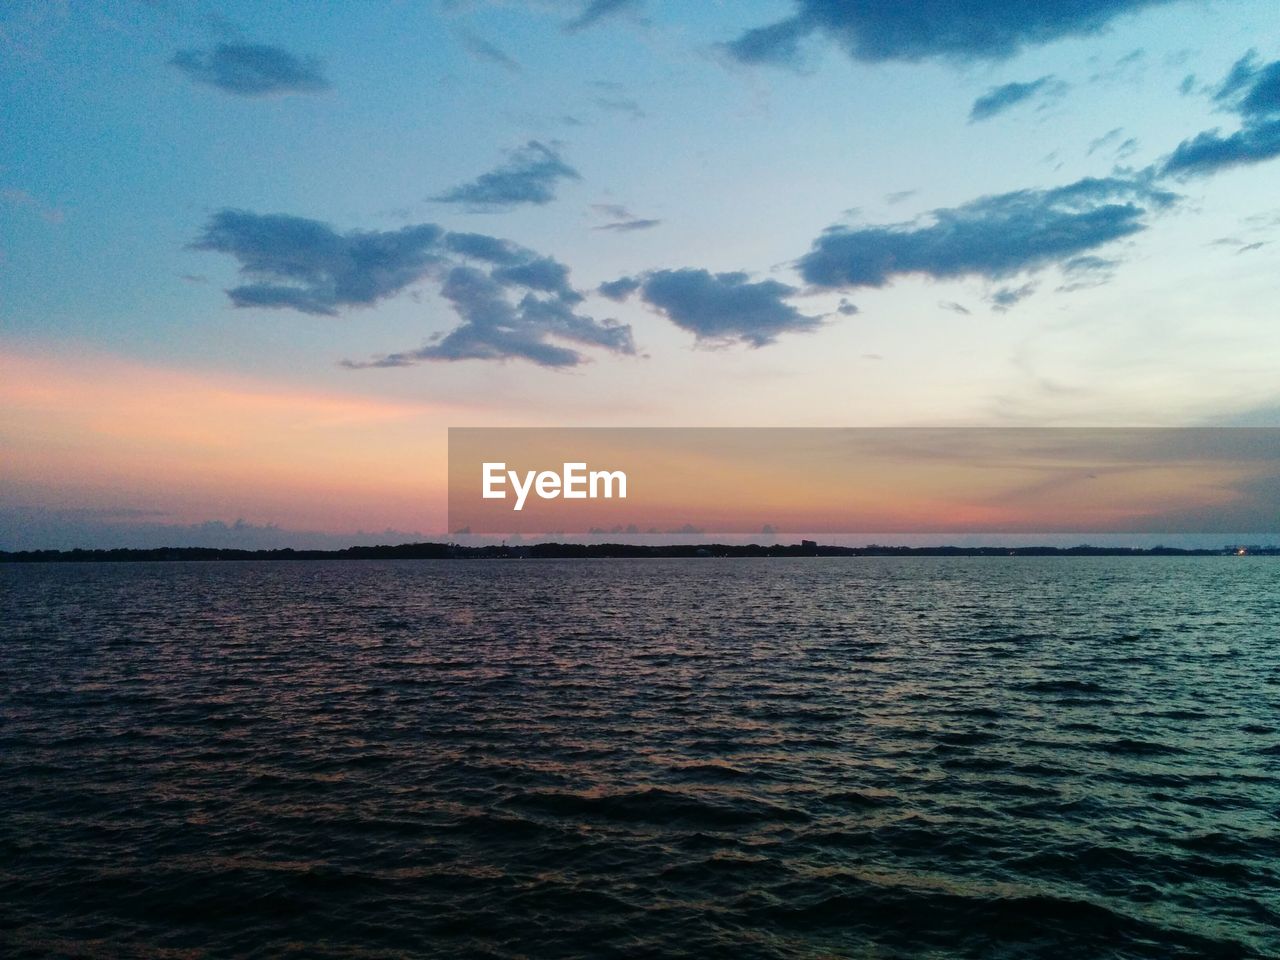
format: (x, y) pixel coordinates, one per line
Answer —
(621, 105)
(482, 49)
(619, 289)
(305, 265)
(627, 226)
(1252, 91)
(876, 30)
(993, 237)
(721, 307)
(530, 175)
(620, 219)
(513, 302)
(1084, 272)
(494, 328)
(1108, 138)
(251, 70)
(954, 307)
(1007, 297)
(597, 10)
(999, 99)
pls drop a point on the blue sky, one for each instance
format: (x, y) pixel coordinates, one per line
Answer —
(803, 213)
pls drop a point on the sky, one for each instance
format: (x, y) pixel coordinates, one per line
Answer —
(255, 260)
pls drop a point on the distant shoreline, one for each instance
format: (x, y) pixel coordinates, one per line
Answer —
(604, 551)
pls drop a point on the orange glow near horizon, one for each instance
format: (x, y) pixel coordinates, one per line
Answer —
(99, 432)
(853, 481)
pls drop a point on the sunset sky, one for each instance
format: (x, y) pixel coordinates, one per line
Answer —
(254, 261)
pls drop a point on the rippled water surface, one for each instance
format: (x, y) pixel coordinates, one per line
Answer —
(1060, 757)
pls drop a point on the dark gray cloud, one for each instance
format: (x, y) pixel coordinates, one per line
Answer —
(479, 246)
(252, 70)
(720, 307)
(597, 10)
(1209, 152)
(513, 302)
(1001, 98)
(306, 265)
(880, 30)
(495, 328)
(482, 49)
(529, 176)
(993, 237)
(1251, 90)
(619, 289)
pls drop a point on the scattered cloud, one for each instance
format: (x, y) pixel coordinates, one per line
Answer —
(993, 237)
(1006, 297)
(529, 176)
(597, 11)
(954, 307)
(719, 308)
(618, 290)
(626, 226)
(305, 265)
(513, 302)
(1251, 90)
(252, 70)
(847, 309)
(482, 49)
(621, 220)
(1108, 138)
(495, 328)
(1111, 139)
(624, 105)
(999, 99)
(957, 30)
(1084, 272)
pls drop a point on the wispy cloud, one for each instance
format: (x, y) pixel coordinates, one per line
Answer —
(597, 11)
(621, 220)
(623, 105)
(485, 51)
(951, 29)
(999, 99)
(22, 199)
(252, 70)
(529, 176)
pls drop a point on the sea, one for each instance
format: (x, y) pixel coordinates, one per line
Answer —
(872, 757)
